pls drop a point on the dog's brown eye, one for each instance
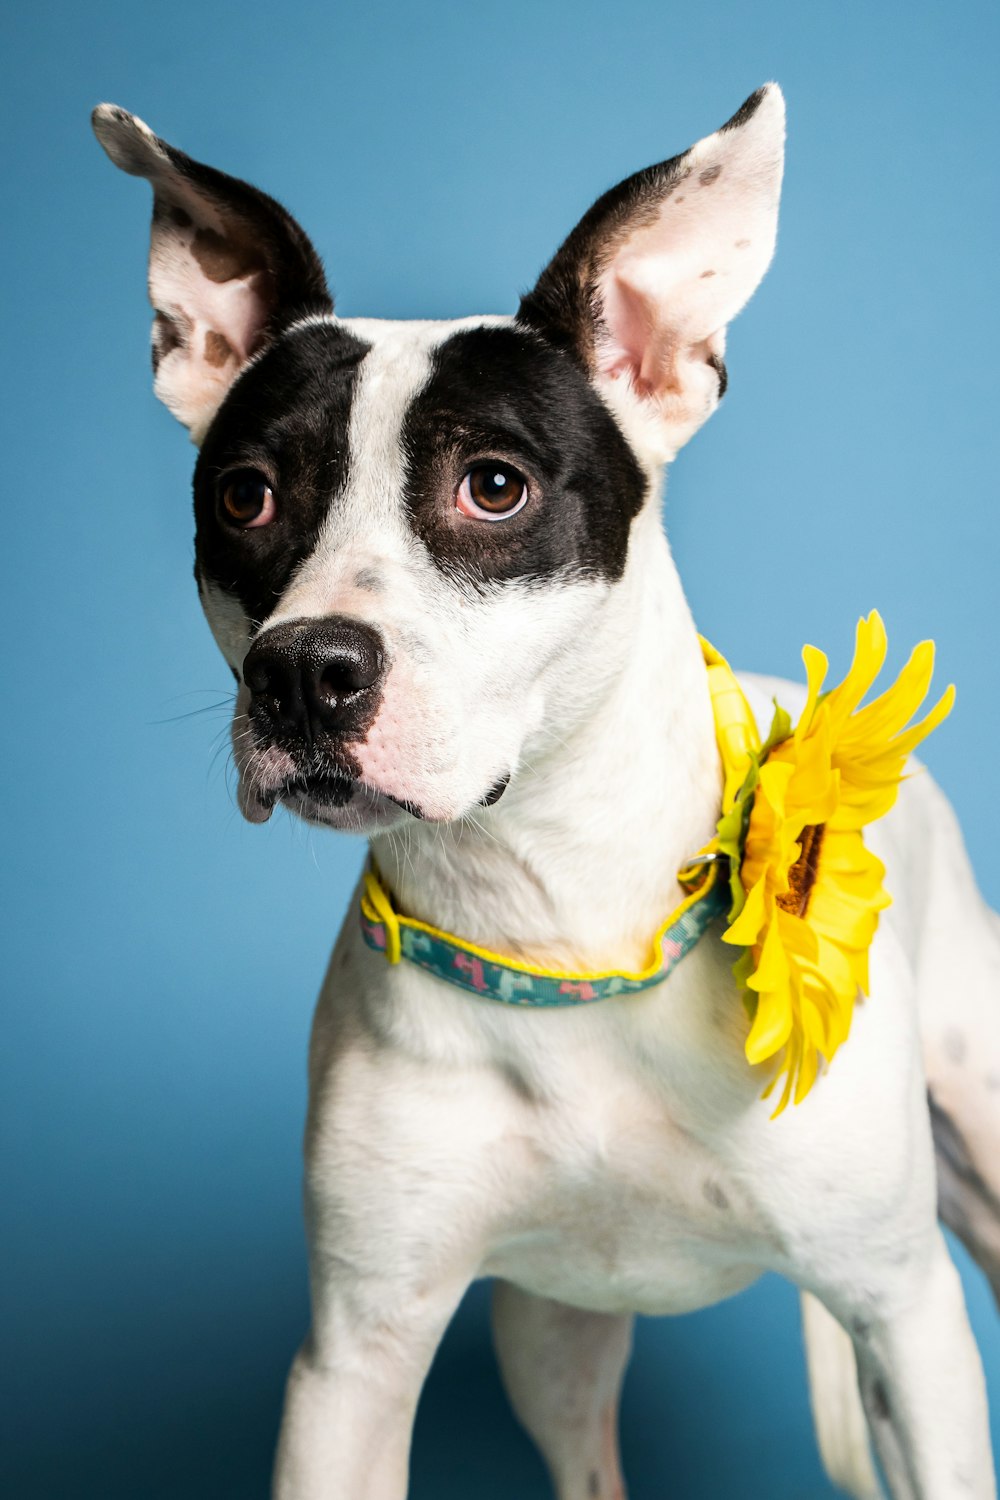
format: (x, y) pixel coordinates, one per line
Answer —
(246, 499)
(492, 491)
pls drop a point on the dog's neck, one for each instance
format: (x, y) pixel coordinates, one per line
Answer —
(575, 866)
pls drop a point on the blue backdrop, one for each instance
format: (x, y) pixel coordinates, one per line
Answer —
(161, 958)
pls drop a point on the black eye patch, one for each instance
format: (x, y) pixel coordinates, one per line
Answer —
(286, 417)
(503, 393)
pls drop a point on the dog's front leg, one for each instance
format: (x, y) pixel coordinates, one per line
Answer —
(922, 1385)
(353, 1388)
(402, 1185)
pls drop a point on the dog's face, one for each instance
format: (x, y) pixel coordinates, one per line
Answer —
(415, 540)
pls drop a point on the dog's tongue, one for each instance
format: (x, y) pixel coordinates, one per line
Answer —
(251, 804)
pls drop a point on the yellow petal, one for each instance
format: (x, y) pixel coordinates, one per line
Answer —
(904, 743)
(771, 1028)
(886, 716)
(775, 777)
(735, 726)
(869, 654)
(746, 929)
(808, 1068)
(816, 666)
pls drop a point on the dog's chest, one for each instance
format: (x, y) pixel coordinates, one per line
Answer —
(599, 1138)
(591, 1155)
(629, 1211)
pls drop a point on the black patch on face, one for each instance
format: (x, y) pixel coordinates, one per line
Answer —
(286, 416)
(505, 394)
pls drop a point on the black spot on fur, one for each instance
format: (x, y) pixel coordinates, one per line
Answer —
(714, 1194)
(593, 1483)
(168, 334)
(504, 393)
(516, 1080)
(710, 175)
(881, 1409)
(286, 416)
(369, 579)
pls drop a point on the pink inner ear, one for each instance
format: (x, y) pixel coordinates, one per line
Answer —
(673, 284)
(207, 284)
(636, 345)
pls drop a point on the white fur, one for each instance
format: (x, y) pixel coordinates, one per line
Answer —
(617, 1157)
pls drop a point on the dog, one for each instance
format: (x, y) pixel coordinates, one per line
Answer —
(432, 555)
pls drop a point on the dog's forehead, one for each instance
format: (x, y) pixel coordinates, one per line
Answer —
(398, 358)
(366, 426)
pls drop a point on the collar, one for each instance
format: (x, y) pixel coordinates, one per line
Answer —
(494, 977)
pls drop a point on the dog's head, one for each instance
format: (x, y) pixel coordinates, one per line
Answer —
(410, 535)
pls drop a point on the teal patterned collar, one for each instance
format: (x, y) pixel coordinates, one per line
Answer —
(494, 977)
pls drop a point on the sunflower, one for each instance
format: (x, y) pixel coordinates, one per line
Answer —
(806, 891)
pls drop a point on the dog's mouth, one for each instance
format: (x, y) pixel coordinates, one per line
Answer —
(337, 798)
(496, 791)
(333, 788)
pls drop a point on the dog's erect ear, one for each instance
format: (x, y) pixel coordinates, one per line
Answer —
(228, 267)
(643, 288)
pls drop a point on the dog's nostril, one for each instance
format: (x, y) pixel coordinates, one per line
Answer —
(356, 665)
(257, 674)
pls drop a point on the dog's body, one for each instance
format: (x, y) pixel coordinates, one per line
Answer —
(518, 714)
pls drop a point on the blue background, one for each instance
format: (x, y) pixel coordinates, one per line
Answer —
(161, 958)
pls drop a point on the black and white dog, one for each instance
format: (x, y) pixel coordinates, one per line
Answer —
(432, 555)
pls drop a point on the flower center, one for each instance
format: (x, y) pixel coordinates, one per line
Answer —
(802, 875)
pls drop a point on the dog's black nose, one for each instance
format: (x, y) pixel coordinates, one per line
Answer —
(311, 675)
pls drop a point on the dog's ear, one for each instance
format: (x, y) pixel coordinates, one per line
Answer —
(643, 288)
(228, 268)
